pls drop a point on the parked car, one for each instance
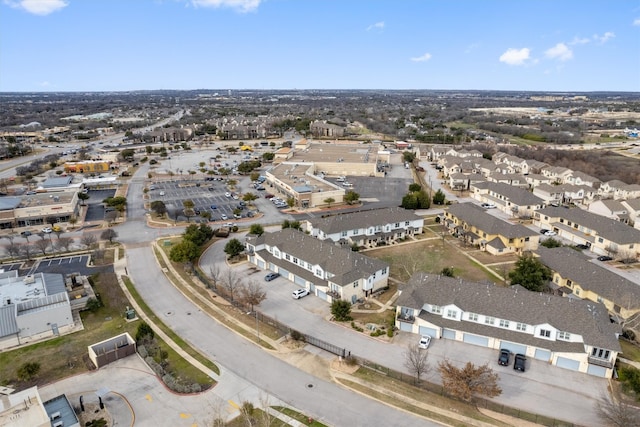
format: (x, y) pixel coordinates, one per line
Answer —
(25, 233)
(488, 205)
(224, 217)
(519, 362)
(227, 194)
(505, 357)
(162, 193)
(214, 207)
(424, 342)
(582, 247)
(269, 277)
(237, 216)
(300, 293)
(544, 231)
(269, 196)
(47, 230)
(550, 233)
(604, 258)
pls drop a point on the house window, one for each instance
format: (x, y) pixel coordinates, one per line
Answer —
(545, 333)
(318, 272)
(355, 284)
(354, 232)
(406, 223)
(343, 234)
(451, 314)
(489, 320)
(577, 291)
(436, 309)
(473, 317)
(569, 282)
(295, 260)
(384, 270)
(600, 353)
(504, 323)
(600, 240)
(526, 239)
(276, 253)
(287, 257)
(565, 336)
(397, 225)
(521, 327)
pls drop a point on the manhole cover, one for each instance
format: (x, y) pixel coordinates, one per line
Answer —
(309, 385)
(169, 313)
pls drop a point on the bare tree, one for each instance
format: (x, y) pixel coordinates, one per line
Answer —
(27, 250)
(469, 381)
(615, 412)
(42, 245)
(410, 263)
(89, 240)
(111, 216)
(109, 234)
(12, 249)
(231, 283)
(252, 294)
(64, 243)
(216, 274)
(416, 361)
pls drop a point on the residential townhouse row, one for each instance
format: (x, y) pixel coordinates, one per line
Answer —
(568, 333)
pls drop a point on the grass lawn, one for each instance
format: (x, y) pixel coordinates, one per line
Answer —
(430, 256)
(630, 351)
(67, 355)
(298, 416)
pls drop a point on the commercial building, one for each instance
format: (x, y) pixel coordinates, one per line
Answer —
(32, 307)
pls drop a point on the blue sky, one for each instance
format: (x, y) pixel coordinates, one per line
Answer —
(119, 45)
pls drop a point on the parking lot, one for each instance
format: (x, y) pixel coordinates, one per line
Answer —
(214, 197)
(95, 208)
(62, 265)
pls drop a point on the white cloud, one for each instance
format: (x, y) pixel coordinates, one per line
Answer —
(239, 5)
(515, 56)
(376, 26)
(578, 40)
(423, 58)
(603, 38)
(38, 7)
(636, 22)
(560, 52)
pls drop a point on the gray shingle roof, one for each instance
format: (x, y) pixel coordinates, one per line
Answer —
(515, 195)
(575, 266)
(608, 228)
(363, 219)
(476, 216)
(8, 324)
(346, 265)
(9, 202)
(585, 318)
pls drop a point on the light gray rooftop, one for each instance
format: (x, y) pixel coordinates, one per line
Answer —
(363, 219)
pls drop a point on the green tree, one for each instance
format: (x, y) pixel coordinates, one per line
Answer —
(198, 234)
(256, 229)
(159, 207)
(551, 243)
(267, 157)
(341, 310)
(415, 187)
(423, 200)
(249, 197)
(117, 203)
(127, 154)
(83, 197)
(291, 202)
(409, 201)
(530, 273)
(28, 371)
(408, 156)
(234, 247)
(438, 198)
(351, 197)
(185, 251)
(253, 176)
(291, 224)
(188, 208)
(448, 272)
(329, 201)
(144, 331)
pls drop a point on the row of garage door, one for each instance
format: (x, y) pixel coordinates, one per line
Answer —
(540, 354)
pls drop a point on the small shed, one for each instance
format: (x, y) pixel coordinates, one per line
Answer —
(112, 349)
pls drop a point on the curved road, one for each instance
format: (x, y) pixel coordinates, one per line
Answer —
(246, 370)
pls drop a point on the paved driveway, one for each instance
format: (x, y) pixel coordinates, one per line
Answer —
(542, 389)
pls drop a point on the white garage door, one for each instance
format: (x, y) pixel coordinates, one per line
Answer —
(565, 363)
(322, 295)
(260, 263)
(299, 281)
(598, 371)
(406, 327)
(284, 273)
(475, 340)
(542, 354)
(428, 331)
(513, 347)
(449, 334)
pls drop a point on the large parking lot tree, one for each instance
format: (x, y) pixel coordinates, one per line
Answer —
(530, 273)
(159, 207)
(233, 248)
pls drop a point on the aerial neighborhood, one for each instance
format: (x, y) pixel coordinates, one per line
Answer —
(331, 244)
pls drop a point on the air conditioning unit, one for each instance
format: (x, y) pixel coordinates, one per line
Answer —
(29, 279)
(58, 424)
(55, 415)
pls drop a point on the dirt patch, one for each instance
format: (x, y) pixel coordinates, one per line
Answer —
(342, 366)
(311, 363)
